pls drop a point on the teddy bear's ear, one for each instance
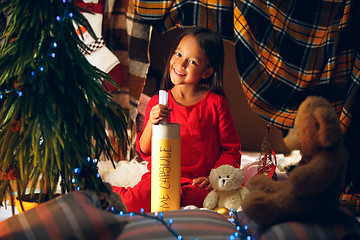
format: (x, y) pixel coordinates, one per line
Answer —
(240, 172)
(329, 129)
(291, 141)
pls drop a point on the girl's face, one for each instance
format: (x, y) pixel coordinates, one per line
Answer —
(188, 64)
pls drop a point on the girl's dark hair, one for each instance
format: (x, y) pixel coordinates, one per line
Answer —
(211, 44)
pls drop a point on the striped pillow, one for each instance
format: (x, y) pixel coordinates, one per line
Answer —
(72, 216)
(190, 224)
(77, 215)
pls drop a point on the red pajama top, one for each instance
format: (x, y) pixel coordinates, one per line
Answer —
(208, 135)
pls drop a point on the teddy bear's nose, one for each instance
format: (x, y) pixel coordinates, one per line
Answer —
(224, 180)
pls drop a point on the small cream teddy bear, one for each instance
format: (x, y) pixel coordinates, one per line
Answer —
(227, 190)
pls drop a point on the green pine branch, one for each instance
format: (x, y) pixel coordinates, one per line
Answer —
(53, 108)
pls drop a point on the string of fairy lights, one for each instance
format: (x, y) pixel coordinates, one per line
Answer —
(50, 53)
(240, 232)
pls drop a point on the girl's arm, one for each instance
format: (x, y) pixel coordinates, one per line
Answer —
(157, 113)
(229, 139)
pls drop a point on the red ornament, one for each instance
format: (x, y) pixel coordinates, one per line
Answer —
(267, 158)
(15, 127)
(10, 174)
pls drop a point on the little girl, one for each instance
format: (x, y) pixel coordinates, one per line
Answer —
(193, 79)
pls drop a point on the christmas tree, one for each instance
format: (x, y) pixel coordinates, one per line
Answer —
(53, 107)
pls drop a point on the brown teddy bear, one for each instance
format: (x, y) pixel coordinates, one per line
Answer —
(313, 188)
(227, 190)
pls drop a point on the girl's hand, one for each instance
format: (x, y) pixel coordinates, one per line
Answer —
(202, 182)
(158, 113)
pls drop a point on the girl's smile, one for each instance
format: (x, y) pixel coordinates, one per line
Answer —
(188, 64)
(179, 73)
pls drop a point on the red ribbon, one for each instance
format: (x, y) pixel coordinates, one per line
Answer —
(265, 166)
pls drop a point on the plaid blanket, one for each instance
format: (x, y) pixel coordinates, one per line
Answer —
(285, 52)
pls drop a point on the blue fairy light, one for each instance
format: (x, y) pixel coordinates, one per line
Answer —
(98, 175)
(88, 159)
(32, 73)
(95, 160)
(78, 188)
(112, 208)
(73, 180)
(1, 96)
(55, 44)
(237, 235)
(41, 69)
(58, 18)
(76, 170)
(71, 14)
(53, 55)
(19, 93)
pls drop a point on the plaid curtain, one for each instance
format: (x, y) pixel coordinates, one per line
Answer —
(128, 37)
(287, 50)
